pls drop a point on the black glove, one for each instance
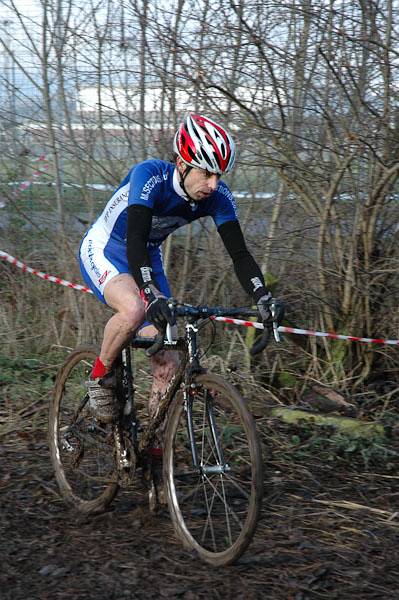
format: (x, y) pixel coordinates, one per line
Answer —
(157, 310)
(270, 309)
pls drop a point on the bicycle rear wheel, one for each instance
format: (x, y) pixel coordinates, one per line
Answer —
(214, 506)
(81, 448)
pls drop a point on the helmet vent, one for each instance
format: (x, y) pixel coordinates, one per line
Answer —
(191, 153)
(194, 128)
(208, 160)
(204, 144)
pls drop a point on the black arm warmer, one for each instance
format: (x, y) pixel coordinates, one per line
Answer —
(138, 230)
(245, 266)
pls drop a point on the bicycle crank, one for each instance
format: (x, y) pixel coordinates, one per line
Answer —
(125, 457)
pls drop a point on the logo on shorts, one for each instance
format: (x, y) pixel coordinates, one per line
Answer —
(90, 254)
(103, 277)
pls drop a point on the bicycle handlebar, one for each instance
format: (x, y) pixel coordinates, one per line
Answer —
(205, 312)
(157, 345)
(195, 313)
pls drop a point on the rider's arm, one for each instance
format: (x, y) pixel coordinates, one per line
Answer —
(139, 220)
(145, 187)
(245, 266)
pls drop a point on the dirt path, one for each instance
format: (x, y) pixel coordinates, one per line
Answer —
(328, 530)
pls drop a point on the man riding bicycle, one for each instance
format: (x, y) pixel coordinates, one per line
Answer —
(120, 255)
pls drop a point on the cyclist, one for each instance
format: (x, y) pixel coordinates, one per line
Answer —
(120, 255)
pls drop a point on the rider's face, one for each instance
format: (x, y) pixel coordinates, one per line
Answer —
(199, 184)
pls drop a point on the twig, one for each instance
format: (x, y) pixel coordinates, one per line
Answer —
(356, 506)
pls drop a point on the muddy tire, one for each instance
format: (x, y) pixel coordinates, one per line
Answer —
(82, 450)
(214, 507)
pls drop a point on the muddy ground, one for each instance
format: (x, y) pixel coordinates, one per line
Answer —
(329, 529)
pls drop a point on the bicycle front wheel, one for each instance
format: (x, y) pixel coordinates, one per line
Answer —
(215, 504)
(81, 448)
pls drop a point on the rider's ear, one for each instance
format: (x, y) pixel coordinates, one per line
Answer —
(181, 165)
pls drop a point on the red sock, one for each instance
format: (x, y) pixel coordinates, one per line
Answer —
(99, 369)
(156, 452)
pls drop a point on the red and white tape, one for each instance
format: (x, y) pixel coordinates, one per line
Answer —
(25, 184)
(335, 336)
(310, 332)
(17, 263)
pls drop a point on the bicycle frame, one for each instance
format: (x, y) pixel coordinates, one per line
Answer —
(189, 365)
(213, 501)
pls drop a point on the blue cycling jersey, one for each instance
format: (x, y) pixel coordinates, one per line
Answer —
(155, 184)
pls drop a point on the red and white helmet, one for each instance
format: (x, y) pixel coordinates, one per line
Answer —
(204, 144)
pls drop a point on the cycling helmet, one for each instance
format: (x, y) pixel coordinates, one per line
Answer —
(204, 144)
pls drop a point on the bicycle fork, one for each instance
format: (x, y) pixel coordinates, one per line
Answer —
(215, 439)
(189, 394)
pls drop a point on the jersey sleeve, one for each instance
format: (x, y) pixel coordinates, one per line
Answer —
(224, 208)
(145, 183)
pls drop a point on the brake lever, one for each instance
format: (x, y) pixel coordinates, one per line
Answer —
(169, 334)
(276, 332)
(261, 343)
(157, 345)
(269, 326)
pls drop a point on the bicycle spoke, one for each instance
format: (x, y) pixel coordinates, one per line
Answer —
(224, 503)
(226, 512)
(217, 507)
(208, 519)
(81, 448)
(203, 434)
(210, 522)
(238, 487)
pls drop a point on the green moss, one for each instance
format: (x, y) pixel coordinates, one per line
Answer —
(286, 379)
(344, 425)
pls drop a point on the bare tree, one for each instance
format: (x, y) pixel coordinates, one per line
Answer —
(309, 90)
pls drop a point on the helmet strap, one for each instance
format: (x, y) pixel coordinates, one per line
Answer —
(182, 185)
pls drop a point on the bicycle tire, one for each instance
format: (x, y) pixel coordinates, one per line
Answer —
(82, 451)
(199, 519)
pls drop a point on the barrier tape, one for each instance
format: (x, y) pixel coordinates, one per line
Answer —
(17, 263)
(308, 332)
(25, 184)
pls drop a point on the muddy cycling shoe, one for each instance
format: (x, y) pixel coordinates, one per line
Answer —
(102, 399)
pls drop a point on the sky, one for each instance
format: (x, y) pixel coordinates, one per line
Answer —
(29, 8)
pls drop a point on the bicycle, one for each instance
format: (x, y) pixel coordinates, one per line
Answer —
(212, 466)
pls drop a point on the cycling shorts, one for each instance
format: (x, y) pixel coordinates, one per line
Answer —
(102, 261)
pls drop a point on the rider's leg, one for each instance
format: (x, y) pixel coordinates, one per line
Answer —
(163, 366)
(121, 294)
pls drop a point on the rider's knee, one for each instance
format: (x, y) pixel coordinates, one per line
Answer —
(133, 313)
